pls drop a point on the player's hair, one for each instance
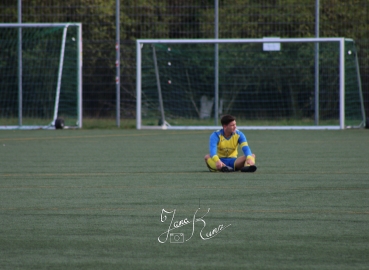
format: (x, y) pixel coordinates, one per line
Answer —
(226, 119)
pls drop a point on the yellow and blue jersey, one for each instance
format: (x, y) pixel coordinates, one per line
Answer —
(222, 147)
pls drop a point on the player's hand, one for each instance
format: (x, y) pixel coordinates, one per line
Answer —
(250, 161)
(219, 164)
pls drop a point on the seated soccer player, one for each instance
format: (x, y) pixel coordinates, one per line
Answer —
(224, 149)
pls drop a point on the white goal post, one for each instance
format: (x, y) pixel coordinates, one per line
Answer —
(40, 75)
(155, 72)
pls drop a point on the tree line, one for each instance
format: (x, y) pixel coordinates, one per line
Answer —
(185, 19)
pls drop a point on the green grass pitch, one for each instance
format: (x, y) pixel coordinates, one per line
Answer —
(93, 199)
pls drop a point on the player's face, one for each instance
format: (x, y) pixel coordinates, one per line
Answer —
(230, 128)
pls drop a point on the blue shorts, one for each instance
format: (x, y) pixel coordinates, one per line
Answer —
(229, 161)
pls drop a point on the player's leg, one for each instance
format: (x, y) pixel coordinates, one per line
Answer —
(210, 163)
(250, 165)
(242, 164)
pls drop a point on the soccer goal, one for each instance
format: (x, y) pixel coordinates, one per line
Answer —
(40, 75)
(268, 83)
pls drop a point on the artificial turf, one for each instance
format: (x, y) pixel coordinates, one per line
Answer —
(94, 199)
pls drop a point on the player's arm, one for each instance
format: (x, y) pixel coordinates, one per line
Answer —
(246, 149)
(213, 149)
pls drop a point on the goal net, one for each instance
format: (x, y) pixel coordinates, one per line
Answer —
(40, 75)
(269, 83)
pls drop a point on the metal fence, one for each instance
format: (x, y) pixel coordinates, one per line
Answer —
(184, 19)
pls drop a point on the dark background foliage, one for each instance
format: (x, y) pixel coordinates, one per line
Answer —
(184, 19)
